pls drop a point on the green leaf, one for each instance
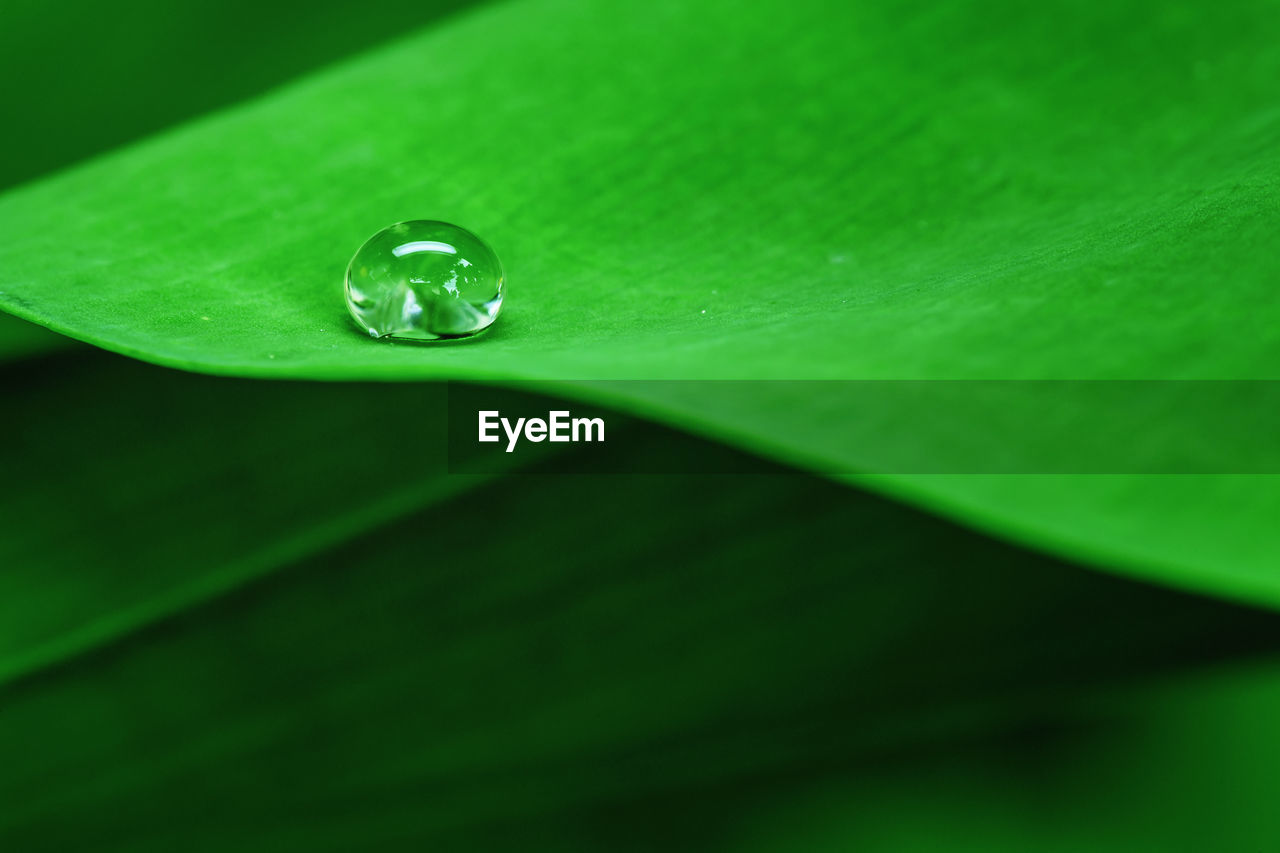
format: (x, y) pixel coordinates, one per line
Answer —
(1117, 770)
(964, 190)
(124, 70)
(238, 615)
(20, 339)
(516, 669)
(141, 492)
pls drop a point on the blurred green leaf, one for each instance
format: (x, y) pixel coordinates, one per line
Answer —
(96, 75)
(1180, 764)
(139, 492)
(20, 339)
(564, 662)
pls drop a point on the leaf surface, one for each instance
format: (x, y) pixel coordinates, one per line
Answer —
(690, 191)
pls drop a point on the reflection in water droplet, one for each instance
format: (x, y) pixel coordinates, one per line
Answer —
(424, 281)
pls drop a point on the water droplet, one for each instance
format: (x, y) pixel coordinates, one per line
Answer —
(424, 281)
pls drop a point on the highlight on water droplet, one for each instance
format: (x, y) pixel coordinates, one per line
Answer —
(424, 280)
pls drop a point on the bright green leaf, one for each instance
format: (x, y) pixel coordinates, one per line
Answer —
(798, 190)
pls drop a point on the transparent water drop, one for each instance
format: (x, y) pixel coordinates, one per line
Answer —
(424, 281)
